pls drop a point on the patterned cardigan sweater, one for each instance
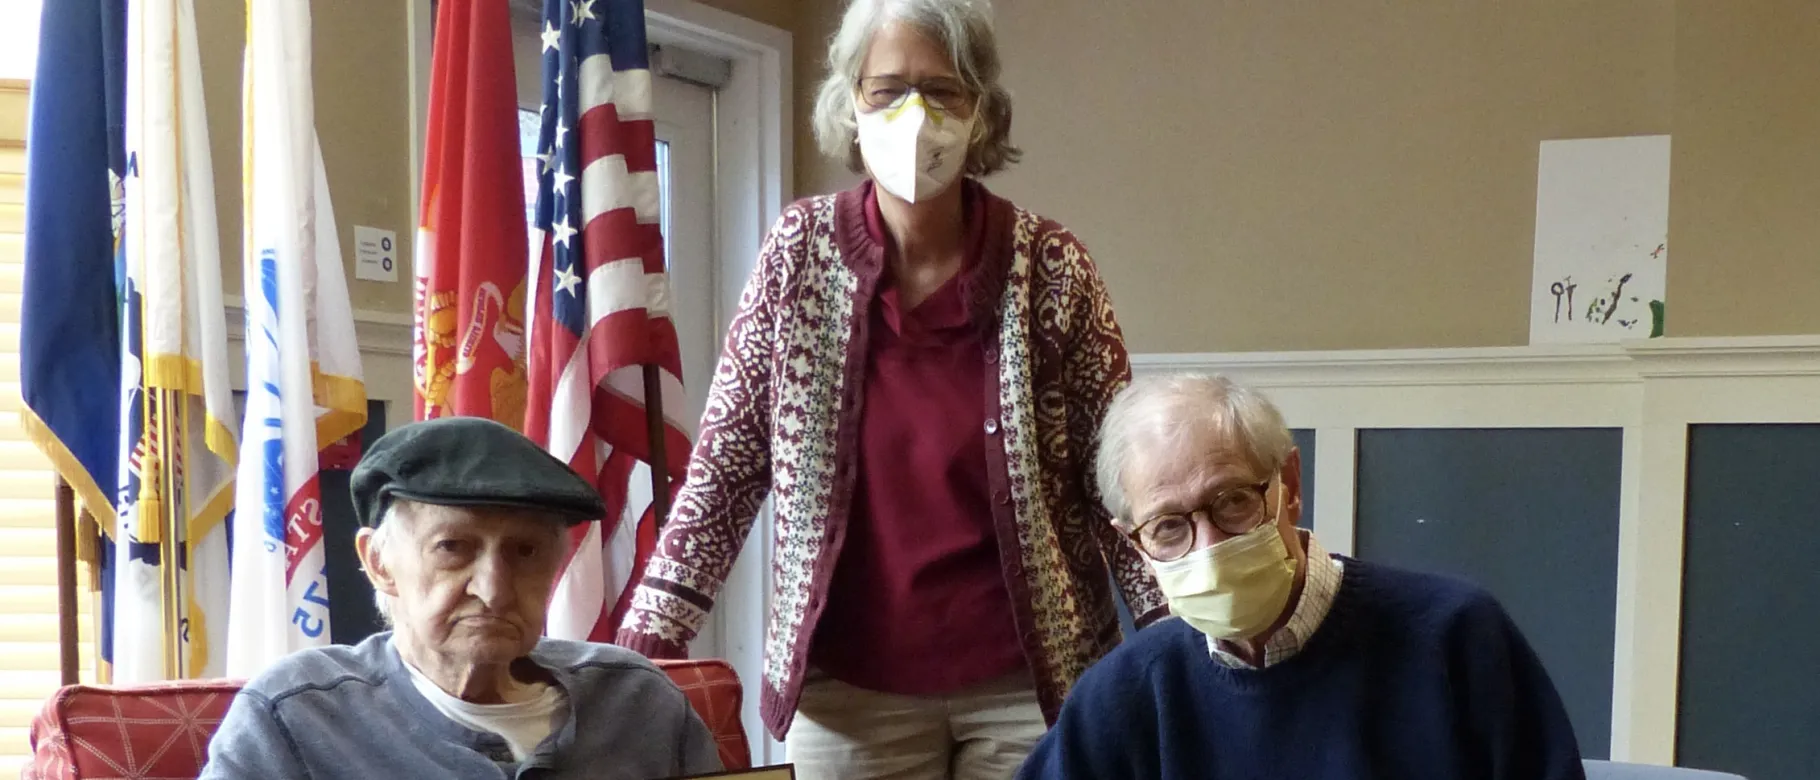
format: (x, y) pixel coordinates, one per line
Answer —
(781, 421)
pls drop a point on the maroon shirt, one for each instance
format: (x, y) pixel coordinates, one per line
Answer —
(918, 604)
(785, 423)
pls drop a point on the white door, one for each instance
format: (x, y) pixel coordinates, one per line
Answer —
(685, 168)
(697, 231)
(685, 118)
(684, 115)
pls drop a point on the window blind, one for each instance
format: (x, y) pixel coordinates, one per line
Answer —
(28, 536)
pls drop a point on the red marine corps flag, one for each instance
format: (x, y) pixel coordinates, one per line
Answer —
(470, 256)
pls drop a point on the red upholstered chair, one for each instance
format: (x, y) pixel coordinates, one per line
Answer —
(713, 690)
(163, 730)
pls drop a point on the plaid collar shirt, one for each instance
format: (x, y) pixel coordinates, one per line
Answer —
(1318, 591)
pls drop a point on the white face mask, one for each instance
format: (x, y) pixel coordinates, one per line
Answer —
(1235, 589)
(913, 151)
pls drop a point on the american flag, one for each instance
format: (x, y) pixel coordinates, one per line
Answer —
(600, 299)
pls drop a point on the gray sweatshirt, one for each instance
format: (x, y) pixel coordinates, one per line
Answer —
(353, 712)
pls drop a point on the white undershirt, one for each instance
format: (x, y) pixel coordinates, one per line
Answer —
(524, 723)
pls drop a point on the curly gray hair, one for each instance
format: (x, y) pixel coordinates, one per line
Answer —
(964, 27)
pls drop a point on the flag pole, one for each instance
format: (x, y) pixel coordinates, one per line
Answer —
(654, 426)
(87, 528)
(180, 525)
(69, 656)
(168, 548)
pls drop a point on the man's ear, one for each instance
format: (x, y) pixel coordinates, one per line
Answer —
(373, 564)
(1291, 478)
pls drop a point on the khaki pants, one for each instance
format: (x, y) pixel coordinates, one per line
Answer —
(847, 733)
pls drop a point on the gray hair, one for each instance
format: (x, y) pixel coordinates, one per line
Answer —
(965, 28)
(1163, 406)
(384, 535)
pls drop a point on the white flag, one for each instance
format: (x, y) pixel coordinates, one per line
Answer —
(304, 386)
(176, 337)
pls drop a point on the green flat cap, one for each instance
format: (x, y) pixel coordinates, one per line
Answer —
(468, 461)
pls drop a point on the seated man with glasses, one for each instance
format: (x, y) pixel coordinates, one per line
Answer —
(1288, 662)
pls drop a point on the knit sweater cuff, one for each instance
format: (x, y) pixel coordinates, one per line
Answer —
(1145, 620)
(651, 646)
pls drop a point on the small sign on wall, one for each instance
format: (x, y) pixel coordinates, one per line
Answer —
(375, 254)
(1601, 254)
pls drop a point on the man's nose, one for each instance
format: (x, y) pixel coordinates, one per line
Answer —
(492, 581)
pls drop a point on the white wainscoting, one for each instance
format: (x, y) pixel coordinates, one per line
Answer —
(1652, 390)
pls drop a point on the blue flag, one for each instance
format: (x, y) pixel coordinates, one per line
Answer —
(69, 338)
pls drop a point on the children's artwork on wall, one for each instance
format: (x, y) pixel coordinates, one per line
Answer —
(1601, 255)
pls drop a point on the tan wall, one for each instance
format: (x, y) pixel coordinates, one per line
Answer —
(362, 84)
(1272, 175)
(815, 24)
(1300, 175)
(362, 76)
(782, 14)
(1267, 175)
(1744, 201)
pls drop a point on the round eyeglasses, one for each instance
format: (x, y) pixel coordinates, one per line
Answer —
(1235, 511)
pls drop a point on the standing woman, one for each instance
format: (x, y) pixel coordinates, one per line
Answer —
(915, 376)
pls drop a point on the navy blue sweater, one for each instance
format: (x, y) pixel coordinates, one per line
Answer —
(1410, 677)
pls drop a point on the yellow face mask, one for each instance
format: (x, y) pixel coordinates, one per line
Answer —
(1235, 589)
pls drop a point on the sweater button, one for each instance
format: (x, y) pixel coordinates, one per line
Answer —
(991, 425)
(1001, 498)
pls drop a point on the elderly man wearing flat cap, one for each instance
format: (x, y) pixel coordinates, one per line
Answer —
(464, 526)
